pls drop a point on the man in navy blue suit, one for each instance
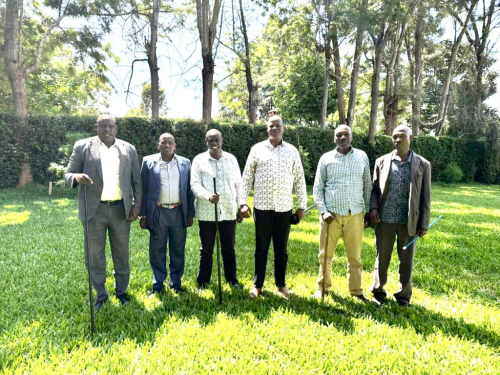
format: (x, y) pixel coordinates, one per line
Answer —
(167, 210)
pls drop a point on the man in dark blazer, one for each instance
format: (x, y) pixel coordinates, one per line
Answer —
(109, 167)
(400, 205)
(167, 210)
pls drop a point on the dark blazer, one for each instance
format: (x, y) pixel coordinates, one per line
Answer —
(86, 159)
(151, 183)
(419, 212)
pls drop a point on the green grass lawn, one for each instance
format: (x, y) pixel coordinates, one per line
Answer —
(453, 326)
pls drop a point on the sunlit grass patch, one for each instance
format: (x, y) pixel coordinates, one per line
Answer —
(12, 218)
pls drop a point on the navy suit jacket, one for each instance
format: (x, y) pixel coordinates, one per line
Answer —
(151, 183)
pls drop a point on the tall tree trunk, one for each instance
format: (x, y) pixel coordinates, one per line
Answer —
(338, 76)
(447, 81)
(418, 72)
(356, 65)
(479, 87)
(252, 90)
(207, 27)
(153, 60)
(391, 96)
(326, 85)
(379, 43)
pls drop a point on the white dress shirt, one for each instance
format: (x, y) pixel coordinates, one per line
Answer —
(274, 172)
(170, 182)
(110, 163)
(228, 179)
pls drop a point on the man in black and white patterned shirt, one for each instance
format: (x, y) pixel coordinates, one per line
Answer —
(224, 167)
(274, 169)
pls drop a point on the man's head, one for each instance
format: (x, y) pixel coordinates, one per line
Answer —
(401, 138)
(275, 128)
(106, 129)
(213, 139)
(167, 145)
(343, 138)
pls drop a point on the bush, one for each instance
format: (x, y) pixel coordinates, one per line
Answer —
(451, 174)
(50, 140)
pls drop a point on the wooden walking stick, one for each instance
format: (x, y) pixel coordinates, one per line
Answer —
(217, 241)
(324, 262)
(88, 259)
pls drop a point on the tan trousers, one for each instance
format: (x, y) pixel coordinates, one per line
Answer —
(351, 228)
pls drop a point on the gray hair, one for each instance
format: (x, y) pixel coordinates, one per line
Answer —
(404, 128)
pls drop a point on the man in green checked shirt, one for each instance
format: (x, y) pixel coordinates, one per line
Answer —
(341, 191)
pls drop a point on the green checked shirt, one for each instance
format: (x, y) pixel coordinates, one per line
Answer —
(343, 183)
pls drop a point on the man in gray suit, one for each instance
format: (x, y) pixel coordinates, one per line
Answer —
(110, 169)
(400, 205)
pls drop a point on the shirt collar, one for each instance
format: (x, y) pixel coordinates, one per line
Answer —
(101, 143)
(269, 144)
(211, 158)
(171, 162)
(396, 157)
(338, 153)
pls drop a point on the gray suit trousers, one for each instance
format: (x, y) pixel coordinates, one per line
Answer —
(109, 220)
(385, 236)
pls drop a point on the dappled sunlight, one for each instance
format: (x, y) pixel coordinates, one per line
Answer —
(62, 202)
(490, 226)
(13, 206)
(304, 237)
(13, 218)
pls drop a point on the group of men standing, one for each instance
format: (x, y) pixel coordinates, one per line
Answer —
(163, 193)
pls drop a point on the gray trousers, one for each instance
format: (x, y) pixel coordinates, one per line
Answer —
(109, 220)
(385, 236)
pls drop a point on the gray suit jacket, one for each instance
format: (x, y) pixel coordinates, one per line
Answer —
(86, 159)
(419, 212)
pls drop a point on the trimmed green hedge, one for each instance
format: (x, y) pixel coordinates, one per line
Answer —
(44, 137)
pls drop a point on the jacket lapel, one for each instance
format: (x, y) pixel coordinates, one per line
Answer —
(123, 158)
(415, 166)
(156, 171)
(384, 177)
(96, 155)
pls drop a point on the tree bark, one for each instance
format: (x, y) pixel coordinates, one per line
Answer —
(338, 76)
(153, 60)
(356, 65)
(252, 90)
(417, 74)
(447, 81)
(207, 28)
(326, 86)
(379, 43)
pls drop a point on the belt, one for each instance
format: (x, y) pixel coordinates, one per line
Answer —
(169, 206)
(112, 203)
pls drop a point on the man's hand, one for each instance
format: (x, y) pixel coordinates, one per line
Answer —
(143, 223)
(300, 213)
(83, 179)
(245, 211)
(214, 199)
(367, 220)
(374, 215)
(328, 217)
(239, 218)
(190, 222)
(132, 217)
(422, 232)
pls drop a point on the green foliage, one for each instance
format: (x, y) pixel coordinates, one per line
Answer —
(146, 105)
(48, 143)
(452, 327)
(451, 174)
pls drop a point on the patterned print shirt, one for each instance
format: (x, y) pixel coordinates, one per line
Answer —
(396, 207)
(273, 173)
(170, 182)
(228, 179)
(343, 183)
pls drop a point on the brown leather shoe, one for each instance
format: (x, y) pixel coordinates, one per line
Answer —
(283, 291)
(255, 292)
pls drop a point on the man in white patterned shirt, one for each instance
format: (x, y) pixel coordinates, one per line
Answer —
(342, 189)
(222, 166)
(167, 210)
(274, 169)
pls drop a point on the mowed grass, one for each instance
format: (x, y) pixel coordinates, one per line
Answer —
(453, 326)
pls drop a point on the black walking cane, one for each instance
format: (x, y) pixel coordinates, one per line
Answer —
(88, 259)
(324, 262)
(218, 244)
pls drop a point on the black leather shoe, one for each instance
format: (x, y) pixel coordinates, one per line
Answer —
(178, 290)
(378, 300)
(404, 305)
(99, 304)
(123, 298)
(361, 298)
